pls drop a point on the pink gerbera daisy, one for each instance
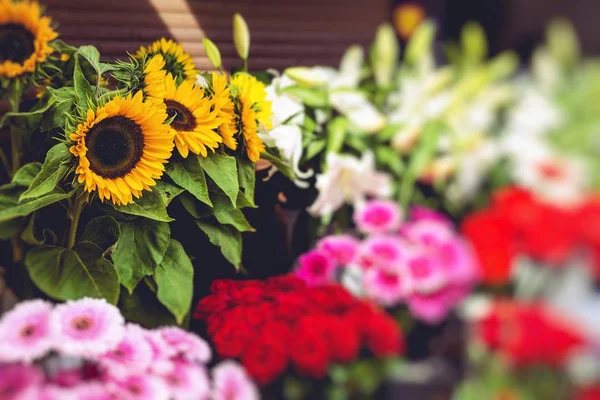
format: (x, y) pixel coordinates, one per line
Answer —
(132, 354)
(384, 251)
(87, 327)
(187, 381)
(316, 268)
(185, 344)
(231, 382)
(341, 249)
(134, 387)
(378, 216)
(19, 382)
(424, 273)
(161, 352)
(387, 287)
(25, 332)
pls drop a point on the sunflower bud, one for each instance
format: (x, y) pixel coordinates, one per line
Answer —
(212, 52)
(241, 36)
(384, 55)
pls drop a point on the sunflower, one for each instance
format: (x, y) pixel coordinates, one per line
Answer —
(154, 79)
(195, 119)
(24, 37)
(122, 147)
(177, 61)
(254, 110)
(221, 96)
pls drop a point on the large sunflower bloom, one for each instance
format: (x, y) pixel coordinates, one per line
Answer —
(254, 110)
(222, 98)
(195, 118)
(154, 79)
(122, 148)
(24, 37)
(177, 61)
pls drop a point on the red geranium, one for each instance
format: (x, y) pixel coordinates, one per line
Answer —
(280, 322)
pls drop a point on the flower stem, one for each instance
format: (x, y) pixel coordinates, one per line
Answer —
(14, 100)
(74, 213)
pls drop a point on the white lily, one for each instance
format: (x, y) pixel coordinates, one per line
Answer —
(348, 179)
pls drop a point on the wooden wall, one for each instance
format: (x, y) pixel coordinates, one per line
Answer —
(284, 32)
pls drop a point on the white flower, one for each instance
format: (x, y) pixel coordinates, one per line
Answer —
(472, 170)
(286, 108)
(349, 180)
(358, 109)
(534, 114)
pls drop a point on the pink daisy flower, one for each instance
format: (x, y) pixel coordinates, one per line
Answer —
(383, 251)
(93, 391)
(25, 332)
(316, 268)
(420, 213)
(55, 392)
(187, 381)
(133, 387)
(434, 307)
(424, 272)
(19, 382)
(387, 287)
(458, 261)
(185, 344)
(133, 354)
(428, 233)
(378, 216)
(342, 249)
(87, 327)
(161, 352)
(231, 382)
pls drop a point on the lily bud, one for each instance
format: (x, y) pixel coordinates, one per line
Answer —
(241, 36)
(212, 52)
(384, 55)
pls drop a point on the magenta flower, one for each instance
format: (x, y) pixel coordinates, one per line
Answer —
(428, 233)
(161, 352)
(316, 268)
(25, 332)
(133, 354)
(185, 344)
(387, 287)
(56, 392)
(420, 213)
(383, 251)
(378, 216)
(93, 391)
(433, 307)
(342, 249)
(458, 261)
(231, 382)
(19, 382)
(142, 387)
(87, 327)
(187, 381)
(424, 273)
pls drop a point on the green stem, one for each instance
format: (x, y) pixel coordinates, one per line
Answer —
(14, 100)
(74, 214)
(245, 65)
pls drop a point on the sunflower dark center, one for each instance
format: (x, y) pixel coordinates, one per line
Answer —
(184, 119)
(16, 43)
(115, 146)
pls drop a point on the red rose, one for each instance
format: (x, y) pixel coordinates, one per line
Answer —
(309, 351)
(588, 393)
(222, 285)
(290, 307)
(343, 339)
(265, 359)
(331, 298)
(248, 295)
(285, 283)
(383, 337)
(232, 337)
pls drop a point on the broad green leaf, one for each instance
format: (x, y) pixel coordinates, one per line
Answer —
(29, 235)
(222, 170)
(336, 133)
(53, 170)
(234, 218)
(11, 227)
(143, 308)
(247, 179)
(27, 173)
(391, 159)
(168, 190)
(140, 249)
(10, 208)
(175, 280)
(103, 231)
(227, 238)
(281, 165)
(313, 149)
(61, 109)
(312, 97)
(151, 205)
(69, 274)
(83, 90)
(188, 174)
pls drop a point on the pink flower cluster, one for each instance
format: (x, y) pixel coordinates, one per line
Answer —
(84, 350)
(421, 262)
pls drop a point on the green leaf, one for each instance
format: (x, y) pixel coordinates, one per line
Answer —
(62, 107)
(313, 149)
(11, 227)
(281, 165)
(312, 97)
(227, 238)
(168, 190)
(140, 249)
(83, 90)
(222, 170)
(234, 218)
(69, 274)
(10, 208)
(247, 179)
(151, 205)
(175, 280)
(103, 231)
(29, 235)
(188, 174)
(142, 307)
(27, 173)
(390, 158)
(336, 133)
(53, 170)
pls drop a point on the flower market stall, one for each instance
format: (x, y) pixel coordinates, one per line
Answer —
(409, 224)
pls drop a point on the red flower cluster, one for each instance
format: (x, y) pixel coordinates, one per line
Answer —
(519, 223)
(271, 324)
(528, 334)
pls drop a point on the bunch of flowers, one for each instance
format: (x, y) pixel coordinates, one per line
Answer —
(84, 350)
(422, 261)
(518, 223)
(280, 323)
